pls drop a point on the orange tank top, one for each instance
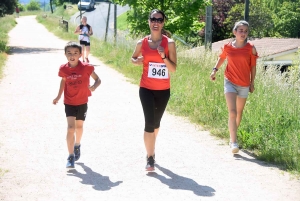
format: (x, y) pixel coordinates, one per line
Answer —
(155, 73)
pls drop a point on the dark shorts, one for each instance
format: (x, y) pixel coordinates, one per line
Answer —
(154, 103)
(85, 43)
(78, 111)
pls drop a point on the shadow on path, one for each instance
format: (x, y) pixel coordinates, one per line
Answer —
(99, 182)
(254, 160)
(181, 183)
(31, 50)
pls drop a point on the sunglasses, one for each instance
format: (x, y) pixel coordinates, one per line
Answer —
(158, 20)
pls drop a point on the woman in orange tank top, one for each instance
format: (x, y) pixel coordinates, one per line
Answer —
(157, 54)
(239, 77)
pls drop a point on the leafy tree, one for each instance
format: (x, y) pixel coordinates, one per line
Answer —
(260, 19)
(33, 5)
(287, 20)
(7, 7)
(221, 8)
(182, 16)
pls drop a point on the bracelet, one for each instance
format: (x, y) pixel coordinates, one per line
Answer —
(164, 57)
(215, 69)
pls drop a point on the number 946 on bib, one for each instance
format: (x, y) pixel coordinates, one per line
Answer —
(158, 71)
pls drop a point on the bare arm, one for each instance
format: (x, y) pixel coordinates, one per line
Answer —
(60, 91)
(215, 69)
(77, 30)
(171, 61)
(96, 83)
(136, 57)
(253, 73)
(90, 31)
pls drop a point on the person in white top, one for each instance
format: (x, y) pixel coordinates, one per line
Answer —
(85, 31)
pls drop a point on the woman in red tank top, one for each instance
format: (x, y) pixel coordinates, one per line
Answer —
(157, 54)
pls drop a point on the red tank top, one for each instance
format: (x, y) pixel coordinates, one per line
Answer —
(155, 73)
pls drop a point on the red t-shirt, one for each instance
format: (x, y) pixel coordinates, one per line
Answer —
(76, 91)
(155, 73)
(239, 63)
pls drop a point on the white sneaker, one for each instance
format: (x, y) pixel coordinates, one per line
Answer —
(234, 147)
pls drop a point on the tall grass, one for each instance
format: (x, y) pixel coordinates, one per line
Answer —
(6, 24)
(270, 126)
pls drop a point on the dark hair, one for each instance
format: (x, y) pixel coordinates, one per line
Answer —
(158, 11)
(73, 44)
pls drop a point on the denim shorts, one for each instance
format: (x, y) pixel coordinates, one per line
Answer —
(240, 91)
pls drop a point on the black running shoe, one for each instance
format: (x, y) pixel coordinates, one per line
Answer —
(70, 163)
(77, 152)
(153, 157)
(150, 164)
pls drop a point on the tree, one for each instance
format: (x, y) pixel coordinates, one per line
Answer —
(287, 20)
(260, 19)
(182, 14)
(7, 7)
(33, 5)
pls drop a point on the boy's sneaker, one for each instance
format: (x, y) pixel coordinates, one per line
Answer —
(150, 164)
(234, 147)
(70, 163)
(77, 152)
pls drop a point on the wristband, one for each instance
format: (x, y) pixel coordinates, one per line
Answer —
(215, 69)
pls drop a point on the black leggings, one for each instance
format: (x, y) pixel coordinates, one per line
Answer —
(154, 103)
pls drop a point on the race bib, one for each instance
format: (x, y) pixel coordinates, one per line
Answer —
(158, 71)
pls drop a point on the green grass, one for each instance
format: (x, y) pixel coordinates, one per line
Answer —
(122, 23)
(270, 127)
(6, 24)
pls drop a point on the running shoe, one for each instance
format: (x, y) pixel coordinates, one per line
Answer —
(153, 158)
(87, 60)
(77, 152)
(70, 162)
(234, 147)
(150, 164)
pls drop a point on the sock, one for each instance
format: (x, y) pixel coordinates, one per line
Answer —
(77, 145)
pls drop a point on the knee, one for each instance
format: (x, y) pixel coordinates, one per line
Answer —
(149, 127)
(232, 114)
(71, 129)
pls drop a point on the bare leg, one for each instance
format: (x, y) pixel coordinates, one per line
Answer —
(83, 50)
(71, 134)
(235, 107)
(240, 104)
(79, 131)
(87, 51)
(149, 140)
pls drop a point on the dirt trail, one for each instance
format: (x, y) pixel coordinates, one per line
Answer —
(191, 165)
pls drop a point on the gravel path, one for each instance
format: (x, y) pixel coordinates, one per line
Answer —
(191, 164)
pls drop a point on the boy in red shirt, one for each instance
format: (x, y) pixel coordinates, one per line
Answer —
(75, 84)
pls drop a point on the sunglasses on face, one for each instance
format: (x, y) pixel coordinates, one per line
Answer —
(158, 20)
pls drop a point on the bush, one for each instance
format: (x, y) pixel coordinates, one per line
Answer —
(33, 5)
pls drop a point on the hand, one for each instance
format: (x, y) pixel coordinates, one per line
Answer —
(161, 51)
(251, 89)
(213, 75)
(139, 60)
(56, 100)
(92, 88)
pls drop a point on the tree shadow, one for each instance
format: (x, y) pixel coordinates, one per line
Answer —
(30, 50)
(98, 181)
(182, 183)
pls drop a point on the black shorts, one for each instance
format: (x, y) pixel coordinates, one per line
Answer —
(85, 43)
(154, 103)
(78, 111)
